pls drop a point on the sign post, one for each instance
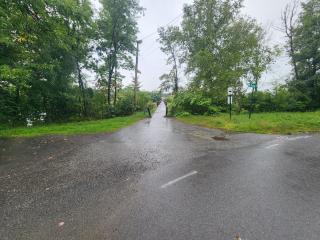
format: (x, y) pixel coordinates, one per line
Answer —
(254, 87)
(230, 100)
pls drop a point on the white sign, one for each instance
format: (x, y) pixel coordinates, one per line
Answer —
(230, 91)
(230, 99)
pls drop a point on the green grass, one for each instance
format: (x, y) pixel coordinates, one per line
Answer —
(74, 128)
(267, 123)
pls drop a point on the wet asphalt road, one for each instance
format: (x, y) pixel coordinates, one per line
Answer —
(160, 179)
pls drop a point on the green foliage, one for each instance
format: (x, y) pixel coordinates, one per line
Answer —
(125, 105)
(39, 48)
(171, 40)
(306, 40)
(156, 97)
(279, 100)
(45, 48)
(191, 102)
(183, 114)
(143, 100)
(116, 39)
(221, 47)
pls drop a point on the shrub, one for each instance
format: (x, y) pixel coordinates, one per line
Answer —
(143, 99)
(191, 102)
(124, 107)
(183, 114)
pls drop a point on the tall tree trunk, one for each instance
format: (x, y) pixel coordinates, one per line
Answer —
(109, 82)
(109, 87)
(176, 80)
(293, 59)
(175, 68)
(115, 86)
(83, 100)
(112, 64)
(288, 18)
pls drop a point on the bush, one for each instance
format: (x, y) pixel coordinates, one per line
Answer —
(143, 99)
(281, 100)
(191, 102)
(124, 107)
(152, 105)
(183, 114)
(125, 103)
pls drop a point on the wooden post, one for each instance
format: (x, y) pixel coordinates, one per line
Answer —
(149, 112)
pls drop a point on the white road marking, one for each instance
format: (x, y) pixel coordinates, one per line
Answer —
(272, 146)
(298, 138)
(283, 138)
(179, 179)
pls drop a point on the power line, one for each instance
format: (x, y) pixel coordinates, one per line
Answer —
(150, 52)
(155, 32)
(277, 28)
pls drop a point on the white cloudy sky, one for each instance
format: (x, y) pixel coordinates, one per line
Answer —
(160, 12)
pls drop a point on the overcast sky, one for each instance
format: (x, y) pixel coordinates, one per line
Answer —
(161, 12)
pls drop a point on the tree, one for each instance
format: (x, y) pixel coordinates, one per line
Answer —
(306, 41)
(117, 36)
(222, 48)
(289, 20)
(43, 47)
(47, 45)
(82, 30)
(170, 40)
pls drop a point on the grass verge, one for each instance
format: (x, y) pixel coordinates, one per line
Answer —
(74, 128)
(266, 123)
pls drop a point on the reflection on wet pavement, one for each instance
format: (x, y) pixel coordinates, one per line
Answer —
(110, 186)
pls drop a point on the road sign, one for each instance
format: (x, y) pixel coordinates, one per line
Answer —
(230, 94)
(252, 84)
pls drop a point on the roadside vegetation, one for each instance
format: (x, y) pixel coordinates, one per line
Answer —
(47, 51)
(218, 48)
(266, 123)
(73, 128)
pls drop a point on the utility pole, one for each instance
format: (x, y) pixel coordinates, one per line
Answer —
(135, 87)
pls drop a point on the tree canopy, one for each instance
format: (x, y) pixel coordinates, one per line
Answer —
(306, 40)
(48, 46)
(220, 47)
